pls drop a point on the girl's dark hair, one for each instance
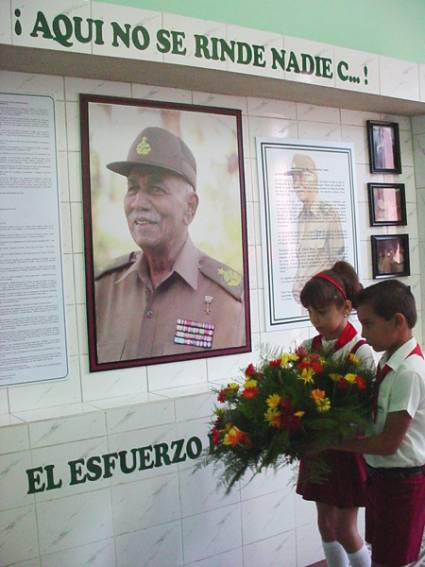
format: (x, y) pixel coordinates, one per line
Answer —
(319, 293)
(388, 298)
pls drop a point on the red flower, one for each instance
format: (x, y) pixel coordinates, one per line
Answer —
(286, 419)
(361, 382)
(309, 363)
(250, 393)
(215, 437)
(228, 393)
(290, 422)
(301, 351)
(221, 396)
(286, 405)
(218, 423)
(275, 363)
(343, 384)
(316, 362)
(316, 366)
(250, 370)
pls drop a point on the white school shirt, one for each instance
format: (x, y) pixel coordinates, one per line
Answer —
(403, 388)
(364, 353)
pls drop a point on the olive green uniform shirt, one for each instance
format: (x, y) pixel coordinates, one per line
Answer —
(135, 321)
(320, 241)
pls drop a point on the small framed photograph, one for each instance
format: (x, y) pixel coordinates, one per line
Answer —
(390, 255)
(387, 204)
(384, 147)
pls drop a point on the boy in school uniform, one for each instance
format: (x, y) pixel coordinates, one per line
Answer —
(394, 450)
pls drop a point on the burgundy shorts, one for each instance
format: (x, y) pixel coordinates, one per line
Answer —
(344, 486)
(395, 518)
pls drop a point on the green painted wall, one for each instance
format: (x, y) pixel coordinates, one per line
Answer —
(395, 28)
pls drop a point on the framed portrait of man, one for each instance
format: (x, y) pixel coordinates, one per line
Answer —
(165, 232)
(308, 204)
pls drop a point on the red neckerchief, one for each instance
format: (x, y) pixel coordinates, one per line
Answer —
(345, 337)
(380, 375)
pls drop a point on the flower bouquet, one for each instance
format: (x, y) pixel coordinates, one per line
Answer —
(290, 406)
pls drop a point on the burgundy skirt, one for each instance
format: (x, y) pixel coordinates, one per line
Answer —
(395, 519)
(345, 484)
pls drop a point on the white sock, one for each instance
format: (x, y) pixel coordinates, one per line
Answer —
(335, 554)
(360, 558)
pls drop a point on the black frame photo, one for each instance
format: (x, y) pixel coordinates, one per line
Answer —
(387, 204)
(384, 147)
(390, 255)
(164, 232)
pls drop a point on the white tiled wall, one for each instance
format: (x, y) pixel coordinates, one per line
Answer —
(418, 131)
(168, 516)
(261, 117)
(172, 516)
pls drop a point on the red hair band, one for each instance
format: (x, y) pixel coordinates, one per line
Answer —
(332, 281)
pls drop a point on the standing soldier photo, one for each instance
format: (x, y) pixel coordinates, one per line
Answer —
(320, 236)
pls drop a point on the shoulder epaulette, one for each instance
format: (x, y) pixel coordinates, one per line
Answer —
(117, 264)
(225, 277)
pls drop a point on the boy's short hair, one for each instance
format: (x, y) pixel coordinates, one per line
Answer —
(388, 298)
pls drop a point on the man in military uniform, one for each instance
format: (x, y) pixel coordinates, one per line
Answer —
(169, 298)
(320, 235)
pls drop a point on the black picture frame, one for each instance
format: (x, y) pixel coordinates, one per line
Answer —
(387, 204)
(384, 147)
(390, 255)
(214, 257)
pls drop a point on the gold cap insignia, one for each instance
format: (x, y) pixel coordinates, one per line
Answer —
(231, 278)
(143, 148)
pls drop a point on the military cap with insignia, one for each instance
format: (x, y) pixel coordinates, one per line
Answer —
(158, 147)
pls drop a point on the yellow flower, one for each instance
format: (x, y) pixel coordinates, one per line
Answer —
(322, 402)
(353, 359)
(250, 384)
(350, 377)
(323, 405)
(273, 400)
(335, 376)
(306, 375)
(286, 358)
(299, 413)
(270, 413)
(272, 416)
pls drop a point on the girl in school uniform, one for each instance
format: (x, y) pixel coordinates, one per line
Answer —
(328, 297)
